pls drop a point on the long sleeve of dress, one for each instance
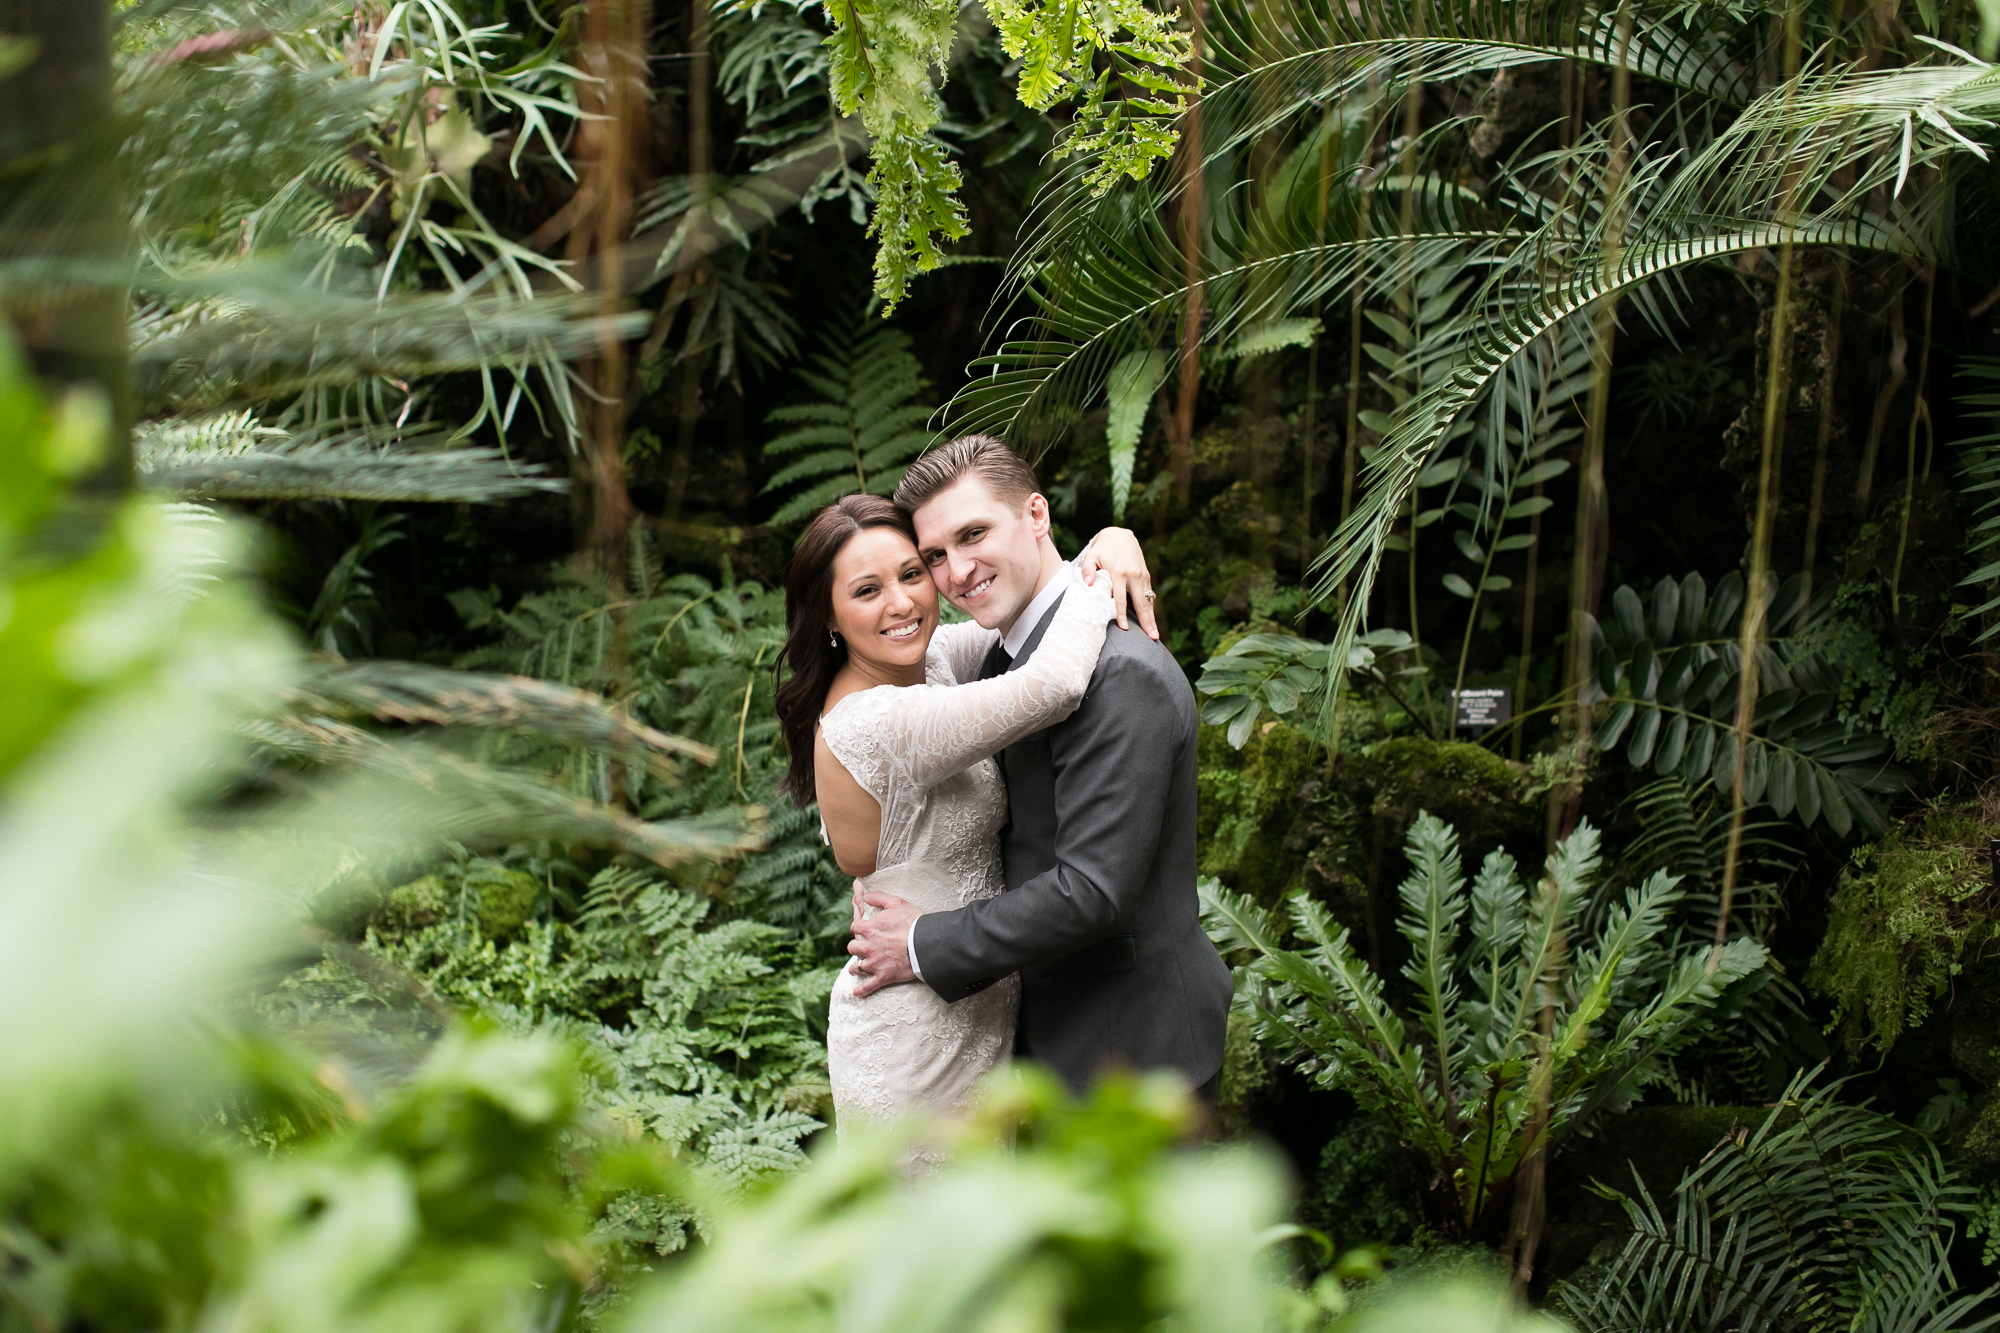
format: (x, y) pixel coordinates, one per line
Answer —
(963, 648)
(923, 734)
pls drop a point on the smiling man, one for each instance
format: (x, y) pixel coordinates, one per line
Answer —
(1100, 916)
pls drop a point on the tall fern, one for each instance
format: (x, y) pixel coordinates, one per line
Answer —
(1684, 830)
(1979, 469)
(863, 429)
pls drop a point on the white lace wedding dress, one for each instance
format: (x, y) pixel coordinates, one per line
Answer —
(925, 753)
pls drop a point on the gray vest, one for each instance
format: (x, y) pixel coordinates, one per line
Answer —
(1100, 916)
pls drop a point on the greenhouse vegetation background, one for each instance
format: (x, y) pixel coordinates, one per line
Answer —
(405, 413)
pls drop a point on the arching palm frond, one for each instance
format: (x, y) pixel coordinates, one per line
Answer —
(1248, 47)
(1795, 169)
(1556, 237)
(233, 456)
(1116, 283)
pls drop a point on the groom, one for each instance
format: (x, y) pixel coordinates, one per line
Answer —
(1100, 916)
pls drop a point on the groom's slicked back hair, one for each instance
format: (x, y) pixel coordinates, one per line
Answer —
(987, 457)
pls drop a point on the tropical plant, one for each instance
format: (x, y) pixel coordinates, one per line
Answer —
(1554, 238)
(1093, 1222)
(1685, 831)
(1516, 1035)
(1282, 672)
(707, 1037)
(1669, 670)
(865, 425)
(1979, 466)
(298, 147)
(1825, 1215)
(880, 69)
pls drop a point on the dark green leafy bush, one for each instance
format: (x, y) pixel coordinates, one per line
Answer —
(1669, 671)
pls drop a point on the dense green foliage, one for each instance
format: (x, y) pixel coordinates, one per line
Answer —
(1824, 1214)
(399, 922)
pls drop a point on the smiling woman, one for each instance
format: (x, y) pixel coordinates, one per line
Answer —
(813, 646)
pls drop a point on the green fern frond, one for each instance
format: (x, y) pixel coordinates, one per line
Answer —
(231, 456)
(870, 377)
(1824, 1215)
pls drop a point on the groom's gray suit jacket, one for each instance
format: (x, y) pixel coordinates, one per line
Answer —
(1100, 916)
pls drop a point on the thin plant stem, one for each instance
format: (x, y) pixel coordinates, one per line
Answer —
(1413, 124)
(1920, 412)
(1350, 442)
(1180, 438)
(1528, 581)
(1586, 568)
(1750, 636)
(1828, 393)
(1534, 551)
(1899, 345)
(1311, 423)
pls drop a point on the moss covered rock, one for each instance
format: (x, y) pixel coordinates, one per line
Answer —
(1466, 785)
(506, 899)
(1269, 823)
(502, 900)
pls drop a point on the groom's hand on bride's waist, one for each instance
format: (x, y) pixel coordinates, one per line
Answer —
(881, 944)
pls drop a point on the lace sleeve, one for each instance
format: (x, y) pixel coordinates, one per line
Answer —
(963, 648)
(926, 733)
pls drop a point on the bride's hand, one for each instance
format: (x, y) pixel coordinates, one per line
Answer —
(1115, 552)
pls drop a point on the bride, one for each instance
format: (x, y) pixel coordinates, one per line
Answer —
(893, 735)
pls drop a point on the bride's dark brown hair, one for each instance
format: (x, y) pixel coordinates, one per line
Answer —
(809, 650)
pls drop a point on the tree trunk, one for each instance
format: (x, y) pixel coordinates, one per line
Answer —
(60, 200)
(614, 54)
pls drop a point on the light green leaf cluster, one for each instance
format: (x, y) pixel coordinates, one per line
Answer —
(1093, 1209)
(1058, 43)
(1133, 382)
(1517, 1003)
(883, 54)
(707, 1036)
(1281, 672)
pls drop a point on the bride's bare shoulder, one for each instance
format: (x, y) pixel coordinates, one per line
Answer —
(852, 817)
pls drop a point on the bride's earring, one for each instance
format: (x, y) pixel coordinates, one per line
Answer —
(833, 638)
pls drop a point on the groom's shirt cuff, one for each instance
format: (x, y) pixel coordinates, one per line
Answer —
(915, 966)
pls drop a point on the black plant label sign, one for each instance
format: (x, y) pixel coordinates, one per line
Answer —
(1479, 711)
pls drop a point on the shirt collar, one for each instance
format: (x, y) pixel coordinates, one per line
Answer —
(1015, 639)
